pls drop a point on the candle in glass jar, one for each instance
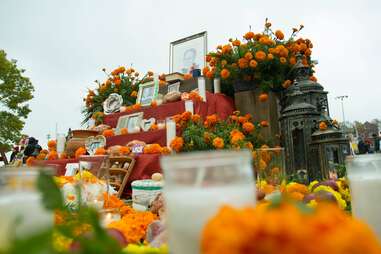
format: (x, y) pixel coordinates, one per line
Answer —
(27, 206)
(189, 106)
(171, 131)
(217, 85)
(201, 87)
(61, 140)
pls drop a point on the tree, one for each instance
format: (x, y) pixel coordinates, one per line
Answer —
(15, 91)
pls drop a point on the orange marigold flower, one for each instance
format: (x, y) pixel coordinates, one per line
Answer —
(242, 119)
(286, 84)
(234, 118)
(153, 104)
(152, 149)
(154, 127)
(52, 144)
(260, 55)
(270, 57)
(41, 156)
(52, 155)
(117, 81)
(30, 161)
(108, 133)
(187, 76)
(237, 138)
(186, 116)
(236, 43)
(177, 144)
(292, 60)
(248, 127)
(124, 150)
(243, 63)
(249, 146)
(283, 60)
(207, 137)
(218, 143)
(210, 74)
(226, 49)
(100, 151)
(253, 63)
(165, 150)
(136, 106)
(264, 123)
(208, 58)
(323, 126)
(134, 94)
(205, 70)
(249, 35)
(123, 131)
(283, 52)
(279, 34)
(225, 73)
(248, 56)
(196, 118)
(79, 152)
(211, 120)
(307, 52)
(263, 97)
(313, 78)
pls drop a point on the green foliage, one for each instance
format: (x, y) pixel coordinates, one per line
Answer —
(341, 171)
(15, 91)
(129, 84)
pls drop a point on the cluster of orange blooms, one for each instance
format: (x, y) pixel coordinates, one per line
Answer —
(286, 229)
(237, 127)
(133, 224)
(265, 58)
(156, 149)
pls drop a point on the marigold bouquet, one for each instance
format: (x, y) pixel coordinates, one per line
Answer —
(287, 228)
(236, 132)
(264, 59)
(122, 81)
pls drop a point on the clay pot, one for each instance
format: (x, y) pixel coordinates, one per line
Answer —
(77, 139)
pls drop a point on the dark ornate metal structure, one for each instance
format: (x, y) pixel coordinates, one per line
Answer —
(308, 149)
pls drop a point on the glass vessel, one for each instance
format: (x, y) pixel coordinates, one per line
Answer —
(21, 210)
(364, 174)
(197, 185)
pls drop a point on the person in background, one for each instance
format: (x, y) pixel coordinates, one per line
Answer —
(361, 146)
(15, 151)
(376, 141)
(32, 148)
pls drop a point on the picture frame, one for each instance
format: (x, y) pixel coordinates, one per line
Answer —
(147, 123)
(94, 142)
(132, 122)
(147, 93)
(188, 53)
(175, 87)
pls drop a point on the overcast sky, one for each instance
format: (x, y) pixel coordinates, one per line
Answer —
(64, 44)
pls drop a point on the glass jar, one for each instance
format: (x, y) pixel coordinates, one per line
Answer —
(21, 210)
(197, 185)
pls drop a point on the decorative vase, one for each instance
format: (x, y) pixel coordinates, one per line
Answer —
(77, 138)
(246, 98)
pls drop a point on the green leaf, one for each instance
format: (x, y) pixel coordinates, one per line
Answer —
(51, 195)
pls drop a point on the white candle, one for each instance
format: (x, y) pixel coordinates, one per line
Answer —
(189, 106)
(217, 85)
(27, 206)
(161, 124)
(171, 131)
(364, 173)
(198, 205)
(201, 87)
(61, 140)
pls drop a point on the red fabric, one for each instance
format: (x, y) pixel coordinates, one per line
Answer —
(149, 137)
(59, 165)
(215, 104)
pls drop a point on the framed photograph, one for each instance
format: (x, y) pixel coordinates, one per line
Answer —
(147, 93)
(131, 122)
(188, 53)
(174, 87)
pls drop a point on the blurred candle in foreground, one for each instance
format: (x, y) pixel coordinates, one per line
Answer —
(171, 130)
(364, 174)
(217, 85)
(196, 186)
(61, 140)
(201, 87)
